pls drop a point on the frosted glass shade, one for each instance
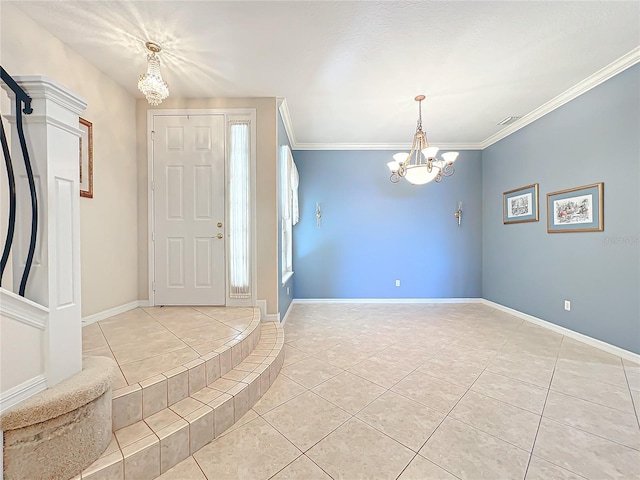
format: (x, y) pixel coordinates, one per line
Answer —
(401, 157)
(430, 152)
(450, 157)
(393, 166)
(420, 174)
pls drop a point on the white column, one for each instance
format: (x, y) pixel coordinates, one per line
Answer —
(52, 134)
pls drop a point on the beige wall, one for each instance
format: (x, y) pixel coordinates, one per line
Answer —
(108, 222)
(21, 353)
(266, 160)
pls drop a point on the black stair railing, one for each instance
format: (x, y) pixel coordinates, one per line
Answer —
(23, 105)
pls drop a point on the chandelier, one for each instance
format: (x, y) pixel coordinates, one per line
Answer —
(151, 83)
(421, 166)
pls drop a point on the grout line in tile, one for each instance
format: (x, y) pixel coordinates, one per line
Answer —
(114, 357)
(313, 445)
(535, 438)
(295, 459)
(311, 460)
(636, 408)
(490, 434)
(596, 403)
(198, 464)
(555, 464)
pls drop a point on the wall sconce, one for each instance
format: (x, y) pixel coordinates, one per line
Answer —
(458, 213)
(318, 214)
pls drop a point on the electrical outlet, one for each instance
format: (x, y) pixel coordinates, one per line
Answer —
(287, 290)
(567, 305)
(397, 283)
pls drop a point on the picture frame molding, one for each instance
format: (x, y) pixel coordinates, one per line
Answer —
(88, 162)
(600, 202)
(535, 217)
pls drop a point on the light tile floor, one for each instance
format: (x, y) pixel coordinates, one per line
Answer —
(148, 341)
(431, 392)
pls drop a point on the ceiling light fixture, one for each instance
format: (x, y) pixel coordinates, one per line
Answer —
(421, 166)
(151, 83)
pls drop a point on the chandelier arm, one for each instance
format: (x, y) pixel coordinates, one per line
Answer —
(448, 170)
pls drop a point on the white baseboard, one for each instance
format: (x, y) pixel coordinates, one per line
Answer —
(262, 305)
(607, 347)
(21, 392)
(272, 317)
(387, 300)
(286, 315)
(264, 316)
(96, 317)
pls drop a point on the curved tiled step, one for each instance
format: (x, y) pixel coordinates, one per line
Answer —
(147, 448)
(145, 398)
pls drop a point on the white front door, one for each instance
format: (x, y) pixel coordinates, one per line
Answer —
(189, 231)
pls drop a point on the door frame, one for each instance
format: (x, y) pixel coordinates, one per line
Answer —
(229, 114)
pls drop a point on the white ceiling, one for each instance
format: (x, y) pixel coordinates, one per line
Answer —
(349, 70)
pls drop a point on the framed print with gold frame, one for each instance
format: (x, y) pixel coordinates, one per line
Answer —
(86, 158)
(520, 205)
(579, 209)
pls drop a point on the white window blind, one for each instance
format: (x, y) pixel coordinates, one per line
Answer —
(239, 209)
(286, 163)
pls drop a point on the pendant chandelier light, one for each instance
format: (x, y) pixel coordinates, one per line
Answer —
(151, 83)
(421, 166)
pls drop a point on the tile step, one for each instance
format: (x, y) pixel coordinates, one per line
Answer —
(147, 448)
(138, 401)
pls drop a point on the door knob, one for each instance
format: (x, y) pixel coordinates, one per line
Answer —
(219, 224)
(219, 235)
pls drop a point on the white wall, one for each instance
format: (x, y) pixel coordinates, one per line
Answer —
(108, 222)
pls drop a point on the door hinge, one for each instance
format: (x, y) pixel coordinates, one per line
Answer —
(153, 236)
(153, 186)
(153, 286)
(153, 135)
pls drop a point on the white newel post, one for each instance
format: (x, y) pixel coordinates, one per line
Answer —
(52, 133)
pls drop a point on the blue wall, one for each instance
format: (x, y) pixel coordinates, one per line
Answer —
(594, 138)
(284, 297)
(374, 232)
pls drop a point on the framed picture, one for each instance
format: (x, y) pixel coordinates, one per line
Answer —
(579, 209)
(86, 159)
(520, 205)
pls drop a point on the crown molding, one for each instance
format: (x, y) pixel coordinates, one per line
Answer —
(288, 126)
(628, 60)
(379, 146)
(602, 75)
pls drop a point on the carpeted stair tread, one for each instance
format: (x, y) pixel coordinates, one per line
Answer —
(96, 377)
